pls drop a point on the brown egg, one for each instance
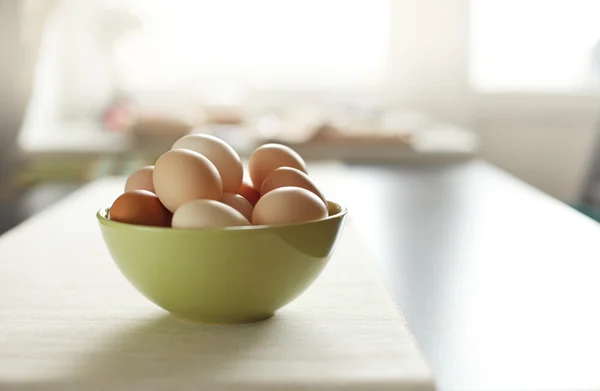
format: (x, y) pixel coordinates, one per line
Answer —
(207, 213)
(287, 205)
(181, 175)
(269, 157)
(287, 176)
(249, 192)
(140, 179)
(140, 207)
(238, 203)
(221, 154)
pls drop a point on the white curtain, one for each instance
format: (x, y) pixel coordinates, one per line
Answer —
(21, 29)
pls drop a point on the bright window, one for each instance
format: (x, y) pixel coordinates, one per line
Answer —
(547, 46)
(257, 44)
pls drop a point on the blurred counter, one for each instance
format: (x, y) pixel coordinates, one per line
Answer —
(84, 151)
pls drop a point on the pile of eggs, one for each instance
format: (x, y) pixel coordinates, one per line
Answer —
(200, 182)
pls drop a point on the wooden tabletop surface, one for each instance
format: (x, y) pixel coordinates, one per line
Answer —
(69, 320)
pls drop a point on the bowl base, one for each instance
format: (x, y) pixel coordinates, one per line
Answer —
(223, 321)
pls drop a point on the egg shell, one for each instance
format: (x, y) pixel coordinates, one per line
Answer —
(287, 205)
(182, 175)
(207, 213)
(140, 179)
(287, 176)
(269, 157)
(221, 154)
(140, 207)
(249, 192)
(238, 203)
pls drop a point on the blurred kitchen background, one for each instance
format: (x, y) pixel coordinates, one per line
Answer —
(99, 87)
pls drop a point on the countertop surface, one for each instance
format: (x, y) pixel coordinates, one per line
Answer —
(70, 321)
(499, 282)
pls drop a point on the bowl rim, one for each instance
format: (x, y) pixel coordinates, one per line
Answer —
(102, 216)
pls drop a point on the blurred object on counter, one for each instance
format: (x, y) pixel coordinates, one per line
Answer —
(154, 133)
(334, 136)
(156, 125)
(293, 124)
(355, 133)
(223, 115)
(118, 116)
(238, 136)
(350, 126)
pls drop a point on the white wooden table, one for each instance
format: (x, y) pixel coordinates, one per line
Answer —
(70, 321)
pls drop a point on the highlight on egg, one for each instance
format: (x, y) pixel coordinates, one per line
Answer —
(182, 175)
(288, 205)
(269, 157)
(287, 176)
(222, 155)
(140, 179)
(207, 214)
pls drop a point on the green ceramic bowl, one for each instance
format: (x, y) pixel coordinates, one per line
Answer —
(223, 275)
